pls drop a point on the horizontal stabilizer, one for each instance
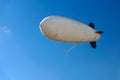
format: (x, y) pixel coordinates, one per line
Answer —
(99, 32)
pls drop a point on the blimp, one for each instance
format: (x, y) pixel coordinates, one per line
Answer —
(68, 30)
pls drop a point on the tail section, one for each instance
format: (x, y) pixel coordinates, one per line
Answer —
(93, 44)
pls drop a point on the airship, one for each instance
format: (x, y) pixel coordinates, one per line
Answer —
(68, 30)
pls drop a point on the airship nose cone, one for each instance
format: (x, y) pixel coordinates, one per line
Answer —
(46, 27)
(43, 27)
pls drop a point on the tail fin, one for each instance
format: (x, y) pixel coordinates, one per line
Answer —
(99, 32)
(93, 44)
(91, 24)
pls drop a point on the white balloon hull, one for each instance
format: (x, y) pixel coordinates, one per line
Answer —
(67, 30)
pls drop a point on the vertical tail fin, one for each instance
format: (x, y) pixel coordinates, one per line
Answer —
(93, 44)
(92, 25)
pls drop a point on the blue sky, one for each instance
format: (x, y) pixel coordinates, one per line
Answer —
(25, 54)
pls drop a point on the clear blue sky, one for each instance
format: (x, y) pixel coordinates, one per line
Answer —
(25, 54)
